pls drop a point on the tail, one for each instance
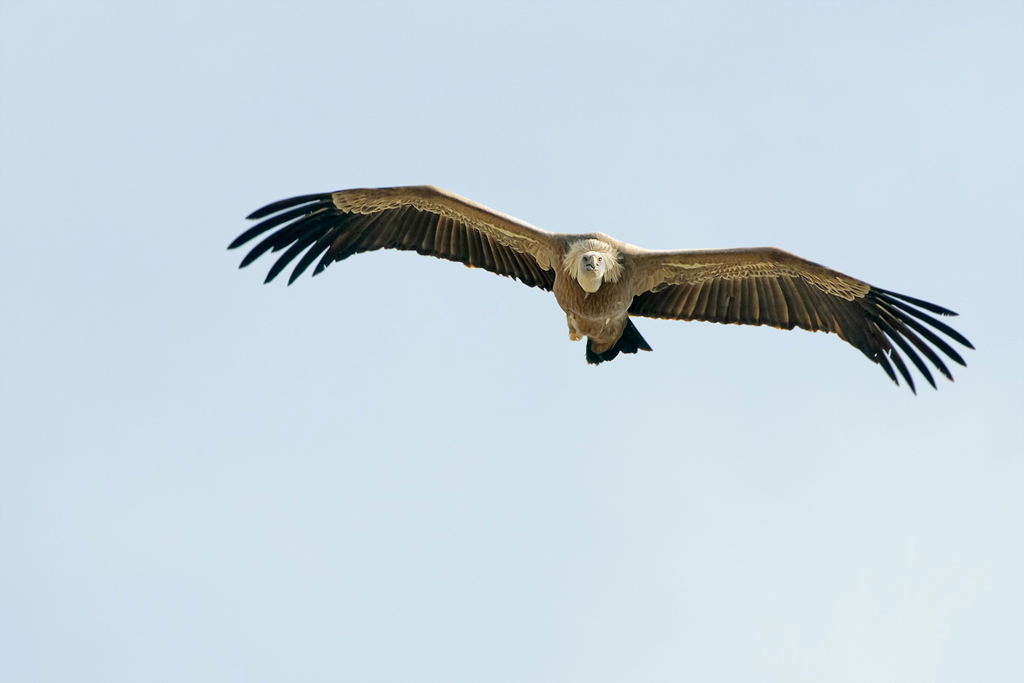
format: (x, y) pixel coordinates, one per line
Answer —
(629, 342)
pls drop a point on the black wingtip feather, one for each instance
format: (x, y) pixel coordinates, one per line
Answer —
(318, 248)
(273, 222)
(884, 362)
(287, 204)
(906, 326)
(913, 330)
(900, 336)
(918, 302)
(287, 257)
(325, 261)
(937, 324)
(897, 359)
(937, 340)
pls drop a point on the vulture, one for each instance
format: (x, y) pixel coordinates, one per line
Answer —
(600, 282)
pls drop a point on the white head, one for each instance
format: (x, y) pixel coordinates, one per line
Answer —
(592, 262)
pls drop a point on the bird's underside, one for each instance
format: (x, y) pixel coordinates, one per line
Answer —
(600, 282)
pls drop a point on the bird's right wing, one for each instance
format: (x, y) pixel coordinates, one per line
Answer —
(769, 286)
(422, 218)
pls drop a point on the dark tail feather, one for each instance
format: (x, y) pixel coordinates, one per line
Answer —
(629, 342)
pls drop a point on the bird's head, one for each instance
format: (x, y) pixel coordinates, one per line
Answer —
(592, 262)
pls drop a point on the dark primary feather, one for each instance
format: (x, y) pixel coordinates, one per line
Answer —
(312, 224)
(877, 324)
(283, 204)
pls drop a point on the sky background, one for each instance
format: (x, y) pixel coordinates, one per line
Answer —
(403, 470)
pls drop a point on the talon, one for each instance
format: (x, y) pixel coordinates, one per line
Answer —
(575, 336)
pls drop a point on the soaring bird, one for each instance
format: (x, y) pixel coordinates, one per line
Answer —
(600, 282)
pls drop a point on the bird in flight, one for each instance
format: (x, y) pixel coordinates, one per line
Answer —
(600, 282)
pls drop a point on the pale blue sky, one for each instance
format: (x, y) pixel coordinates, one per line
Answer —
(403, 470)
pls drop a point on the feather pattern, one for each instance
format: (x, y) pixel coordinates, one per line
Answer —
(879, 324)
(315, 225)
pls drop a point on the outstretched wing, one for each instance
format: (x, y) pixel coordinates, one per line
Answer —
(769, 286)
(428, 220)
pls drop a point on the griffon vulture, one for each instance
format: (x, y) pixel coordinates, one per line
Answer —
(599, 281)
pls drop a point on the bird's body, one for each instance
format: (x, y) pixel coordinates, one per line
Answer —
(599, 315)
(600, 282)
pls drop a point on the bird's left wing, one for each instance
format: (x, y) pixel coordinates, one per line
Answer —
(768, 286)
(333, 226)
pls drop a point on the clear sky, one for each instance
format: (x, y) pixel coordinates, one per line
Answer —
(403, 470)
